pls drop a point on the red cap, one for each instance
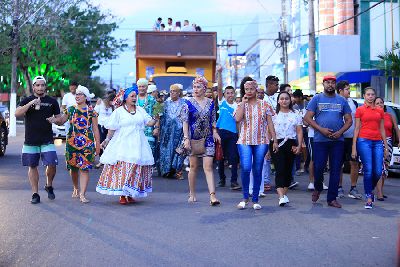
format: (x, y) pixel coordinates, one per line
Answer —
(329, 77)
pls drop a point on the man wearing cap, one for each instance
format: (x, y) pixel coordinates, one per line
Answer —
(330, 116)
(147, 102)
(37, 108)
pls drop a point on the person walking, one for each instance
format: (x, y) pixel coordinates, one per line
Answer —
(369, 142)
(39, 144)
(127, 155)
(289, 132)
(227, 130)
(171, 134)
(199, 135)
(83, 141)
(343, 89)
(147, 102)
(255, 120)
(392, 132)
(330, 116)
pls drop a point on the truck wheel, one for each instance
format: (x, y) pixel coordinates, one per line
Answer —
(3, 141)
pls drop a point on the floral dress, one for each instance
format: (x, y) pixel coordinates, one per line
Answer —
(80, 146)
(201, 121)
(148, 105)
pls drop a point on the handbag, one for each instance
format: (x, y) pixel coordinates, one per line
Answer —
(198, 147)
(219, 153)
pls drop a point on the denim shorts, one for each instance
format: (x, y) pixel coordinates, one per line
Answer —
(32, 154)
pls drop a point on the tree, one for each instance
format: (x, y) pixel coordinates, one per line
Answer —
(392, 60)
(63, 40)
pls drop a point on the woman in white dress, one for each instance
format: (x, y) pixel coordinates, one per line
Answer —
(127, 156)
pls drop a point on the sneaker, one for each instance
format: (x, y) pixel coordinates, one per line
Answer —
(35, 198)
(187, 169)
(242, 205)
(50, 192)
(334, 204)
(310, 186)
(282, 201)
(368, 205)
(221, 183)
(286, 198)
(324, 187)
(262, 194)
(340, 192)
(256, 206)
(293, 185)
(235, 186)
(354, 194)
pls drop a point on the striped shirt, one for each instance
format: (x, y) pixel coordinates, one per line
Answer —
(253, 127)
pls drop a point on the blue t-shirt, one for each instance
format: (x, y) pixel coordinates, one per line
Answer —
(329, 113)
(226, 121)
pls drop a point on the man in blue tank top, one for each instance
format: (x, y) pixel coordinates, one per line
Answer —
(227, 130)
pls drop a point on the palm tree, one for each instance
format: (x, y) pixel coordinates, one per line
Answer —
(392, 60)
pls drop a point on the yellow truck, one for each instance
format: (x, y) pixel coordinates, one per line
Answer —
(175, 57)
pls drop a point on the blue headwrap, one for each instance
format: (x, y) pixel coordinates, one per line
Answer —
(130, 90)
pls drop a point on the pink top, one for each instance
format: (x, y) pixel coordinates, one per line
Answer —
(253, 127)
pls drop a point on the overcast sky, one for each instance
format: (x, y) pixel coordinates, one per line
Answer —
(228, 18)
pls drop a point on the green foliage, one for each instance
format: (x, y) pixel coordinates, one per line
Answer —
(392, 60)
(66, 40)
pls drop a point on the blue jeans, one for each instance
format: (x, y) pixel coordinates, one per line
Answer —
(321, 152)
(251, 158)
(371, 154)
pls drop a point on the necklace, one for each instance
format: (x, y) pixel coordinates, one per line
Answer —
(133, 112)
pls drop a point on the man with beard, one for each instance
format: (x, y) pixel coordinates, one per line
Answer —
(37, 108)
(330, 116)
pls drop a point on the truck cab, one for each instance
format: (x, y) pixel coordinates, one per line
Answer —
(175, 57)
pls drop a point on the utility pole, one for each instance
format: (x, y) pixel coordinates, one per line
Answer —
(311, 48)
(284, 38)
(111, 74)
(391, 15)
(14, 61)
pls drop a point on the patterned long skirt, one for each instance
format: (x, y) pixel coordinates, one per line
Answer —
(125, 179)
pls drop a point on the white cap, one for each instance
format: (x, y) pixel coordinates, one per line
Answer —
(180, 86)
(38, 78)
(151, 88)
(85, 91)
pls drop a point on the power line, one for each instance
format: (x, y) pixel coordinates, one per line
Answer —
(258, 68)
(341, 22)
(390, 10)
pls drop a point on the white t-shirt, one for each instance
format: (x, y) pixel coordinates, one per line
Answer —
(234, 105)
(285, 124)
(350, 132)
(68, 100)
(104, 113)
(272, 100)
(188, 28)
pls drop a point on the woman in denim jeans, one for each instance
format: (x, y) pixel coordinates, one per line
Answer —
(369, 138)
(255, 120)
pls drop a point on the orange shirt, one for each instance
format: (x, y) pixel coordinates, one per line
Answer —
(370, 118)
(388, 124)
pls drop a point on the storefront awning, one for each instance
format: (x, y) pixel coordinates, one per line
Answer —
(358, 76)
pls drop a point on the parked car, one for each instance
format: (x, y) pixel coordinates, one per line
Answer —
(3, 135)
(59, 131)
(6, 114)
(393, 109)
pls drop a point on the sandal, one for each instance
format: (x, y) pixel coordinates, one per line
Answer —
(83, 199)
(179, 176)
(192, 199)
(130, 200)
(215, 202)
(75, 193)
(267, 187)
(122, 200)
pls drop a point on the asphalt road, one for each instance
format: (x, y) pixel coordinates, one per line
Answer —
(164, 230)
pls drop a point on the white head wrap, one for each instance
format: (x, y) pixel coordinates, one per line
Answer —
(38, 78)
(142, 81)
(85, 91)
(151, 88)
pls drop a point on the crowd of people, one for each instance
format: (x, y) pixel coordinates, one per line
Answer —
(138, 132)
(159, 26)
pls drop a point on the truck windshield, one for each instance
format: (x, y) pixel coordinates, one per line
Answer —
(164, 82)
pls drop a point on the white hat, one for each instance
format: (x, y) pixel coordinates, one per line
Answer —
(151, 88)
(85, 91)
(38, 78)
(180, 86)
